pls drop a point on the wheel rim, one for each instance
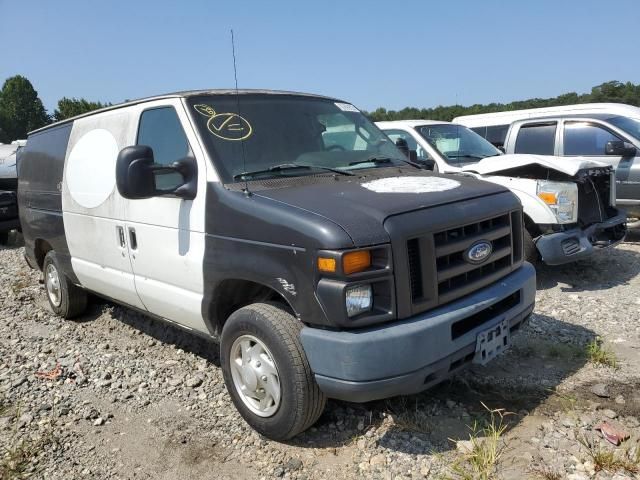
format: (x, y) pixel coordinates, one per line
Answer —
(52, 280)
(255, 375)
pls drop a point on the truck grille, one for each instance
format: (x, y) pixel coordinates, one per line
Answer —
(451, 274)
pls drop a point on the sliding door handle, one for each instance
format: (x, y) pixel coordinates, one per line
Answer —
(120, 236)
(133, 239)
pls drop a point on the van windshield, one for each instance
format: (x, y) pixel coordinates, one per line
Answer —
(278, 135)
(629, 125)
(458, 145)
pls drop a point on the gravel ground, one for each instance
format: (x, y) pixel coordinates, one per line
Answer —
(117, 395)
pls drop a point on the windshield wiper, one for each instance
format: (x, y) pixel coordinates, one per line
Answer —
(287, 166)
(372, 159)
(384, 160)
(467, 155)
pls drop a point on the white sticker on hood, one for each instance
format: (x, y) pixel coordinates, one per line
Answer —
(411, 185)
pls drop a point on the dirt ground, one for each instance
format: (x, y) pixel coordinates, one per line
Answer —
(136, 399)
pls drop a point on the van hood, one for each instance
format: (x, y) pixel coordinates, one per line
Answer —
(568, 165)
(360, 204)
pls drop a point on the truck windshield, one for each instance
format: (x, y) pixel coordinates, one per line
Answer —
(629, 125)
(458, 145)
(253, 136)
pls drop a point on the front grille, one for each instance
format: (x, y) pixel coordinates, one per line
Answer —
(455, 276)
(415, 278)
(570, 246)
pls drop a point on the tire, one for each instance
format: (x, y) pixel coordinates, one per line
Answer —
(301, 402)
(70, 300)
(4, 238)
(531, 254)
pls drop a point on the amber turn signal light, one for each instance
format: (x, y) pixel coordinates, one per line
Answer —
(354, 262)
(550, 198)
(326, 264)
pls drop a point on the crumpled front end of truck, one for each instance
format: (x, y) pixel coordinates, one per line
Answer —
(599, 223)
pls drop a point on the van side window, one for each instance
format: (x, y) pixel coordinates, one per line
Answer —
(538, 138)
(581, 138)
(160, 129)
(496, 134)
(394, 135)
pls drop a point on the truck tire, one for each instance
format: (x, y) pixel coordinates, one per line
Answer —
(531, 254)
(267, 372)
(66, 299)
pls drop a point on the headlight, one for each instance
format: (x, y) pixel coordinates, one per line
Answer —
(562, 199)
(358, 299)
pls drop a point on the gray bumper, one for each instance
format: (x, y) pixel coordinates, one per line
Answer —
(572, 245)
(411, 355)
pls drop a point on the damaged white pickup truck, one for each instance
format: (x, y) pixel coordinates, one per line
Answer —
(569, 203)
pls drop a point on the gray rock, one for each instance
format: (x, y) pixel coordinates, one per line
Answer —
(194, 382)
(601, 390)
(293, 464)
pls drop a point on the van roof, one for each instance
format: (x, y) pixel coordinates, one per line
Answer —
(183, 94)
(409, 123)
(509, 116)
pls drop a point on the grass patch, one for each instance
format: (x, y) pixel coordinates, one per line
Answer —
(547, 473)
(607, 459)
(600, 354)
(486, 446)
(409, 418)
(17, 455)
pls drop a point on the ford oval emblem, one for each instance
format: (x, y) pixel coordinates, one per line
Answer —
(479, 252)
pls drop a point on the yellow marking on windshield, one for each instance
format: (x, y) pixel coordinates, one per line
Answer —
(227, 126)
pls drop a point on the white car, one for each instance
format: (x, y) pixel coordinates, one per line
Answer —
(569, 203)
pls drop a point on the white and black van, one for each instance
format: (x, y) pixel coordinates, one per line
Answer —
(288, 227)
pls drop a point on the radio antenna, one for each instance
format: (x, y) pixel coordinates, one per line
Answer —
(235, 77)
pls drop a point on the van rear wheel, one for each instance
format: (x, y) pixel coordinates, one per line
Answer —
(267, 372)
(66, 299)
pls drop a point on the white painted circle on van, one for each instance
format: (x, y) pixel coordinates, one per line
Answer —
(91, 168)
(411, 185)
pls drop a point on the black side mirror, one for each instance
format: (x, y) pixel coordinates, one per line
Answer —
(501, 148)
(403, 146)
(137, 174)
(620, 148)
(427, 163)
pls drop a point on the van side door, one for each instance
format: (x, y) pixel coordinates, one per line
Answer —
(92, 208)
(589, 139)
(166, 233)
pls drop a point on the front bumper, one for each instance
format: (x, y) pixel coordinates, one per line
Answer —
(411, 355)
(572, 245)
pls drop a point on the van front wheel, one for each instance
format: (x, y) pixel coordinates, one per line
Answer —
(267, 373)
(66, 299)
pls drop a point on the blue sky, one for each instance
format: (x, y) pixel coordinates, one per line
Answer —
(372, 53)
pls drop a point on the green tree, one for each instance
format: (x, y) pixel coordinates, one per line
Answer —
(20, 109)
(614, 91)
(70, 107)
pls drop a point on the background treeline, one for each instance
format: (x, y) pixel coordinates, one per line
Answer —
(21, 110)
(615, 92)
